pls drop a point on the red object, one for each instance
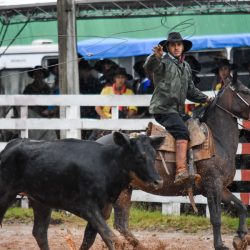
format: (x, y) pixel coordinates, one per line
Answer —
(245, 148)
(246, 124)
(245, 198)
(245, 175)
(119, 92)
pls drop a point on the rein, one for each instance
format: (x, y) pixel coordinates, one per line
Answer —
(230, 113)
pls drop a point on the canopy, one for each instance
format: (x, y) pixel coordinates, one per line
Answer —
(121, 47)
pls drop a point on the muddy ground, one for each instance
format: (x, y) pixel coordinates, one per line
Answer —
(63, 237)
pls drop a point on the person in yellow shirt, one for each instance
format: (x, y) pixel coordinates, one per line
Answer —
(223, 73)
(117, 88)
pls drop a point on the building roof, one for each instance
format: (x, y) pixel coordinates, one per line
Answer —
(18, 11)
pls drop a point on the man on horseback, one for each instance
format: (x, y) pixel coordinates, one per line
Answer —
(173, 84)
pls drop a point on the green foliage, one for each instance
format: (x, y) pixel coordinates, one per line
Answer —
(139, 220)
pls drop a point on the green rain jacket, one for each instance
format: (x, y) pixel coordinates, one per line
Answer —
(173, 85)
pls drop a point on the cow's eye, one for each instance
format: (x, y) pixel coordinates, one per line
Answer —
(142, 157)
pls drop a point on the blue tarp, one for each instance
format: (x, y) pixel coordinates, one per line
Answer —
(122, 47)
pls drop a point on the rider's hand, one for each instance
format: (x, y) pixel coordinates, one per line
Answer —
(210, 99)
(158, 51)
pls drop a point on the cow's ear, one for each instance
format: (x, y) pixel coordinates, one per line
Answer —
(156, 141)
(120, 139)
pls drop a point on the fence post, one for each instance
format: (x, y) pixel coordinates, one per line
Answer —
(207, 212)
(73, 112)
(171, 208)
(115, 112)
(24, 115)
(25, 202)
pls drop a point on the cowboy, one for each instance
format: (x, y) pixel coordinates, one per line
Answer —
(173, 84)
(223, 73)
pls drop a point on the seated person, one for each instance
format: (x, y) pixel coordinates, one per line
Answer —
(117, 88)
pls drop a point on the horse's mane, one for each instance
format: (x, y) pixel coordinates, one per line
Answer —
(204, 112)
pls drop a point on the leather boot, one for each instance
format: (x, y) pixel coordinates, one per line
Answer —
(181, 161)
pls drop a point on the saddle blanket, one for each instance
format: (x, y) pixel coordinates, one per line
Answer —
(201, 141)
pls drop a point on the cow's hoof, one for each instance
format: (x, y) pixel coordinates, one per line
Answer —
(240, 244)
(222, 248)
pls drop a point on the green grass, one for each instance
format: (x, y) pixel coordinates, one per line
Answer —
(139, 220)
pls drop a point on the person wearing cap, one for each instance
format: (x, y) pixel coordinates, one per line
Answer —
(173, 85)
(223, 73)
(117, 88)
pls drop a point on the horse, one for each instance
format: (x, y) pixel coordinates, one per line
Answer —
(217, 173)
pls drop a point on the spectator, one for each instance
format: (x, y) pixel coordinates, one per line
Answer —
(39, 87)
(53, 111)
(223, 73)
(117, 88)
(88, 83)
(143, 85)
(106, 68)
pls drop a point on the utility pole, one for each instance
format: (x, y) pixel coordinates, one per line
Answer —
(68, 63)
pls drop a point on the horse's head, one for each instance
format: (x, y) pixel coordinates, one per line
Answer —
(234, 98)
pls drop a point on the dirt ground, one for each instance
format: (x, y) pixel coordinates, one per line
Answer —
(63, 237)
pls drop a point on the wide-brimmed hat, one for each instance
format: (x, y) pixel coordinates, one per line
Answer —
(38, 68)
(99, 64)
(176, 37)
(121, 71)
(83, 64)
(223, 63)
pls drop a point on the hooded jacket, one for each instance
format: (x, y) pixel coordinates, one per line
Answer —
(173, 85)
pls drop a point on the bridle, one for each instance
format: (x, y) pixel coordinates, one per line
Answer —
(233, 89)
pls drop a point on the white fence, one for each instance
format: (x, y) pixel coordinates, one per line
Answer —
(73, 123)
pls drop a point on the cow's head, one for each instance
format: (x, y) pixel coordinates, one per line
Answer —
(138, 155)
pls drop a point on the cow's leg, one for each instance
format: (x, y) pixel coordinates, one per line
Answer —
(94, 217)
(42, 216)
(89, 237)
(121, 215)
(5, 201)
(229, 198)
(214, 190)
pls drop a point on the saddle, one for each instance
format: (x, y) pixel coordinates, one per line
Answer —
(201, 141)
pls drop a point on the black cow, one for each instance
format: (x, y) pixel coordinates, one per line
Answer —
(82, 177)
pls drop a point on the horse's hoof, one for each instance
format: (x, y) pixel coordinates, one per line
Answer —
(240, 244)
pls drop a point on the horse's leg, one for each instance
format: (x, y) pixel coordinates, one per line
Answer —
(228, 197)
(42, 216)
(214, 190)
(121, 215)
